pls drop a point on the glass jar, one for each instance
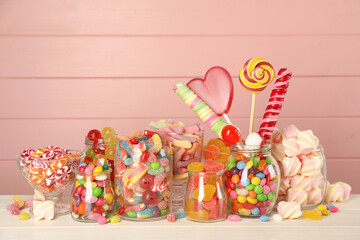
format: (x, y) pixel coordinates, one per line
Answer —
(100, 150)
(303, 176)
(143, 177)
(252, 180)
(93, 195)
(205, 198)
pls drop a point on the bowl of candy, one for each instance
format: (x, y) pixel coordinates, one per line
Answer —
(49, 170)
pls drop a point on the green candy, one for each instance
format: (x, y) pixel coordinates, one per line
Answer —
(153, 172)
(251, 158)
(256, 161)
(105, 167)
(268, 161)
(232, 159)
(155, 165)
(131, 214)
(82, 181)
(90, 153)
(261, 197)
(258, 189)
(250, 186)
(270, 196)
(230, 165)
(97, 191)
(163, 212)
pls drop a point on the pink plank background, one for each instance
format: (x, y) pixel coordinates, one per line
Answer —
(69, 66)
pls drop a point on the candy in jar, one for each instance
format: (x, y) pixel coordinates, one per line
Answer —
(143, 176)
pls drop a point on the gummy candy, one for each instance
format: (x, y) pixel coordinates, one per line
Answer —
(312, 214)
(180, 214)
(212, 166)
(222, 157)
(211, 151)
(196, 167)
(207, 192)
(210, 204)
(200, 215)
(19, 201)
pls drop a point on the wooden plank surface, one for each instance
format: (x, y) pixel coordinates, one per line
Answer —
(91, 98)
(341, 225)
(162, 17)
(173, 56)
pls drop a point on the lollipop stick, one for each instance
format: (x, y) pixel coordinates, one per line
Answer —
(252, 113)
(227, 119)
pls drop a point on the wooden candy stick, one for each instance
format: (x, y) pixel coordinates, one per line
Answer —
(255, 75)
(276, 100)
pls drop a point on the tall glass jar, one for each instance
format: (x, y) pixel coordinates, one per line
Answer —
(205, 198)
(99, 150)
(252, 180)
(93, 195)
(143, 177)
(303, 176)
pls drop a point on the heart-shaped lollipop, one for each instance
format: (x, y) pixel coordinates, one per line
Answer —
(216, 89)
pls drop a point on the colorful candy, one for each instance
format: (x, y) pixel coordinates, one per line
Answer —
(276, 100)
(24, 216)
(143, 175)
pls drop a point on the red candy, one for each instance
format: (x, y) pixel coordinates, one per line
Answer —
(213, 166)
(94, 134)
(231, 134)
(121, 210)
(334, 209)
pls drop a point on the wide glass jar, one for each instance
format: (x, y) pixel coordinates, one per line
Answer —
(303, 176)
(252, 180)
(93, 195)
(143, 177)
(205, 198)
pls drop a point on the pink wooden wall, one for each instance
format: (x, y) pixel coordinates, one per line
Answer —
(69, 66)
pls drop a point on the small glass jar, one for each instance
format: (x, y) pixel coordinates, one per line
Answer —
(93, 195)
(303, 176)
(100, 150)
(252, 180)
(205, 198)
(143, 177)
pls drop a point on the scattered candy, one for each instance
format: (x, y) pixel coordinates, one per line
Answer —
(277, 217)
(115, 219)
(24, 216)
(312, 214)
(264, 218)
(234, 218)
(171, 217)
(289, 210)
(101, 220)
(43, 210)
(180, 214)
(334, 209)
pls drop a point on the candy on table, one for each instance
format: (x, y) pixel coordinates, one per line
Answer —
(143, 175)
(48, 168)
(275, 103)
(171, 217)
(234, 218)
(312, 214)
(289, 210)
(337, 192)
(43, 210)
(93, 196)
(301, 164)
(277, 217)
(254, 76)
(180, 213)
(24, 216)
(186, 142)
(205, 196)
(264, 218)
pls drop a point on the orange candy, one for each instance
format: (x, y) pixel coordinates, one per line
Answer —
(196, 167)
(211, 152)
(200, 215)
(223, 157)
(261, 165)
(252, 194)
(82, 208)
(251, 175)
(241, 157)
(235, 178)
(236, 206)
(89, 178)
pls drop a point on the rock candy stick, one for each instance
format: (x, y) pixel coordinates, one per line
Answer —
(209, 117)
(276, 100)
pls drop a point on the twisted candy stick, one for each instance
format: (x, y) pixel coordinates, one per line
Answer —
(275, 103)
(210, 118)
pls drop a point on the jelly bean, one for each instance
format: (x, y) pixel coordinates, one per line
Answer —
(242, 192)
(131, 214)
(268, 161)
(115, 219)
(252, 194)
(256, 181)
(277, 217)
(330, 206)
(155, 165)
(260, 175)
(109, 198)
(325, 212)
(244, 211)
(97, 171)
(234, 171)
(19, 201)
(248, 205)
(230, 165)
(94, 134)
(234, 218)
(235, 178)
(261, 197)
(334, 209)
(253, 171)
(251, 176)
(163, 211)
(250, 187)
(101, 177)
(251, 200)
(121, 210)
(94, 216)
(255, 211)
(24, 216)
(82, 181)
(264, 218)
(77, 200)
(273, 186)
(261, 165)
(101, 220)
(249, 164)
(100, 201)
(240, 165)
(322, 207)
(262, 210)
(271, 197)
(228, 174)
(82, 208)
(233, 194)
(241, 199)
(97, 191)
(263, 182)
(266, 189)
(90, 168)
(100, 183)
(266, 203)
(312, 214)
(105, 207)
(258, 189)
(230, 184)
(98, 209)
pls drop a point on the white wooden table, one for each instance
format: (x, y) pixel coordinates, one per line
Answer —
(344, 224)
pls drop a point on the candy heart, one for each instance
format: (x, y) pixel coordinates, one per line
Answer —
(216, 89)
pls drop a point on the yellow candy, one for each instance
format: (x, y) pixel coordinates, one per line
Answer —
(77, 184)
(93, 184)
(182, 144)
(312, 214)
(107, 130)
(244, 211)
(255, 180)
(196, 167)
(110, 139)
(241, 199)
(201, 215)
(115, 219)
(322, 207)
(157, 142)
(19, 201)
(207, 193)
(105, 207)
(252, 200)
(249, 164)
(109, 198)
(223, 157)
(110, 153)
(97, 171)
(325, 212)
(24, 216)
